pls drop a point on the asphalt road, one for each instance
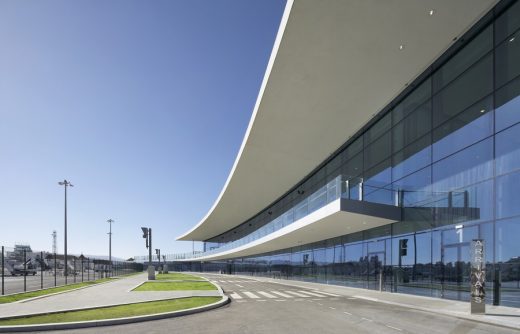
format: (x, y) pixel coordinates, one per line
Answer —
(14, 284)
(259, 307)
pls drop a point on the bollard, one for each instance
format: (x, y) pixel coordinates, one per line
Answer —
(496, 286)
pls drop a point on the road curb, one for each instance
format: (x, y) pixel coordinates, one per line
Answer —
(109, 322)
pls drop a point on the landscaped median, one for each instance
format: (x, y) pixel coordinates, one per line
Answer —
(171, 295)
(112, 312)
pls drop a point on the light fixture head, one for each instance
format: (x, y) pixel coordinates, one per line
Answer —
(401, 47)
(512, 39)
(431, 12)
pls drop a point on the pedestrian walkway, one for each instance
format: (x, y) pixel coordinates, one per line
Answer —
(119, 291)
(496, 315)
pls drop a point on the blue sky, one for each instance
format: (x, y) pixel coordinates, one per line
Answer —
(142, 105)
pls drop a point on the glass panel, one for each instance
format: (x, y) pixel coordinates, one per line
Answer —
(470, 87)
(507, 23)
(412, 127)
(377, 151)
(469, 166)
(508, 105)
(464, 129)
(507, 63)
(354, 166)
(355, 147)
(472, 52)
(412, 158)
(417, 97)
(376, 181)
(378, 129)
(508, 199)
(415, 188)
(508, 258)
(507, 150)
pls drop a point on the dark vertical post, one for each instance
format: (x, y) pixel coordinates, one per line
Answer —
(82, 259)
(74, 273)
(41, 270)
(55, 271)
(88, 269)
(24, 270)
(65, 272)
(150, 243)
(3, 292)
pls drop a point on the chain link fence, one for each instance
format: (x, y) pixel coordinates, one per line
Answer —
(23, 269)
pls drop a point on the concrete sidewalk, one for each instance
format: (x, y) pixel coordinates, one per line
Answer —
(495, 315)
(106, 294)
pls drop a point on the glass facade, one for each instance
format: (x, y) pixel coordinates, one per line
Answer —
(451, 149)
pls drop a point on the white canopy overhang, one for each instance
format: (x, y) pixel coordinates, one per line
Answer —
(334, 65)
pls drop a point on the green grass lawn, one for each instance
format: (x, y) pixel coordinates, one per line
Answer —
(37, 293)
(114, 311)
(173, 286)
(177, 276)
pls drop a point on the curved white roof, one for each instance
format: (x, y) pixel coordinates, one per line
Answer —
(333, 66)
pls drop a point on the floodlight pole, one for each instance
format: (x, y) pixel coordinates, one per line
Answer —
(66, 184)
(110, 221)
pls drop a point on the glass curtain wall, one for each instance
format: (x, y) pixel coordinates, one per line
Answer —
(451, 148)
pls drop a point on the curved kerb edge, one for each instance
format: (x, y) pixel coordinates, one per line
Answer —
(109, 322)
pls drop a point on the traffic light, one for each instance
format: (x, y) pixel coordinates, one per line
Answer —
(145, 234)
(403, 247)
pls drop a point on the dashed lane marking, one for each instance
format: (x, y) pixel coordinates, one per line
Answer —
(282, 294)
(266, 294)
(297, 294)
(367, 319)
(240, 286)
(280, 300)
(261, 300)
(332, 308)
(397, 329)
(251, 295)
(347, 313)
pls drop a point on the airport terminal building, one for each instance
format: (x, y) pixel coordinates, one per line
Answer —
(385, 138)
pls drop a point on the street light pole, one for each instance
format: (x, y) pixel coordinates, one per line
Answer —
(66, 184)
(110, 221)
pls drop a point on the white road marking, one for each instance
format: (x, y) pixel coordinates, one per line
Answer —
(241, 301)
(316, 299)
(282, 294)
(297, 294)
(397, 329)
(312, 293)
(366, 298)
(351, 298)
(235, 296)
(367, 319)
(347, 313)
(332, 308)
(266, 294)
(250, 295)
(328, 294)
(320, 304)
(280, 300)
(240, 286)
(261, 300)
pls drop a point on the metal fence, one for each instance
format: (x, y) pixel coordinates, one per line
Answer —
(23, 269)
